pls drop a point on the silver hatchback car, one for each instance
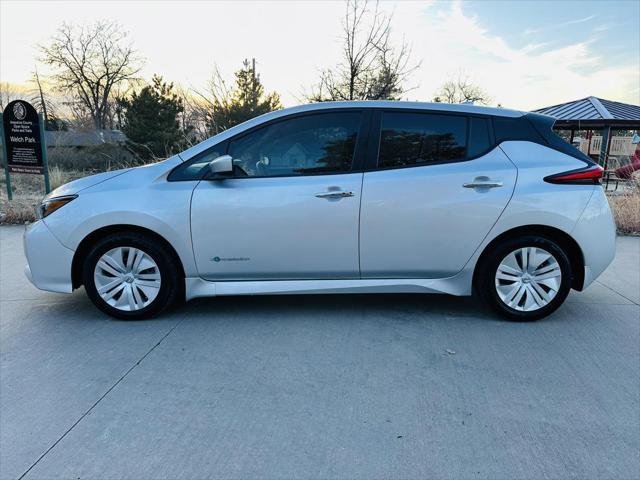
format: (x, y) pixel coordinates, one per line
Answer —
(345, 197)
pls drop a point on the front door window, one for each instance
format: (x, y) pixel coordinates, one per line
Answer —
(313, 144)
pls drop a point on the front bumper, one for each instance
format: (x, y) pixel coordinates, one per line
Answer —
(48, 261)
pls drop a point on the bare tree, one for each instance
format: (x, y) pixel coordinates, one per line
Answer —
(218, 95)
(45, 103)
(90, 61)
(114, 111)
(7, 94)
(79, 116)
(371, 68)
(39, 100)
(461, 90)
(193, 120)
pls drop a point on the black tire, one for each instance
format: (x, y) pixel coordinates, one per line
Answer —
(171, 277)
(485, 280)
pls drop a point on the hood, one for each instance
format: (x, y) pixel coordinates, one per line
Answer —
(149, 171)
(76, 186)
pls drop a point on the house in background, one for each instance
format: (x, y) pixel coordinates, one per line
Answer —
(80, 140)
(88, 151)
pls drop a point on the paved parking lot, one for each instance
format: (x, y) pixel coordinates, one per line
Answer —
(409, 386)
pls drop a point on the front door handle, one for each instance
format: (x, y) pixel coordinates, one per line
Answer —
(334, 194)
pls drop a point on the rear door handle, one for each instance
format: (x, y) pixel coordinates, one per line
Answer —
(482, 182)
(334, 194)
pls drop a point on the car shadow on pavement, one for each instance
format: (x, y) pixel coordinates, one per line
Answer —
(388, 304)
(393, 306)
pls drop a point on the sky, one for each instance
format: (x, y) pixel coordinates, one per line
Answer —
(524, 54)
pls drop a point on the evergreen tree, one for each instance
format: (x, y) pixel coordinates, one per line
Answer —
(150, 119)
(246, 100)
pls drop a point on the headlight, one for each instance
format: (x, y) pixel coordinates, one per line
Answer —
(50, 205)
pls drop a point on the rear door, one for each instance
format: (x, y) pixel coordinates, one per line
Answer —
(438, 187)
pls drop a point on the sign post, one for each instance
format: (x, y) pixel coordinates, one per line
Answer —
(6, 159)
(23, 142)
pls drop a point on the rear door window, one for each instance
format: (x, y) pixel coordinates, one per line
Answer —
(421, 138)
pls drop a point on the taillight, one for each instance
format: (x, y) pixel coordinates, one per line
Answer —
(584, 176)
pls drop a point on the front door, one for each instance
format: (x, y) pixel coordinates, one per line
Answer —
(291, 210)
(439, 187)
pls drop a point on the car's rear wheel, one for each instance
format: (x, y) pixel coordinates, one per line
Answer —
(524, 278)
(131, 276)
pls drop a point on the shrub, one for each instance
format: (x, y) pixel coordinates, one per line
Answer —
(626, 208)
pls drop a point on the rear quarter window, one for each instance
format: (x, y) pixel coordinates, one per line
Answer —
(544, 126)
(535, 128)
(508, 128)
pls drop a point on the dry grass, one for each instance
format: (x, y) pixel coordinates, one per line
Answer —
(58, 177)
(626, 208)
(20, 210)
(28, 190)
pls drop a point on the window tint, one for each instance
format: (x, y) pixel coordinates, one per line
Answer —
(321, 143)
(544, 125)
(536, 128)
(520, 128)
(416, 138)
(194, 168)
(479, 140)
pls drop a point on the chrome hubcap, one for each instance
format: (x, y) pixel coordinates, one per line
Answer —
(528, 279)
(127, 278)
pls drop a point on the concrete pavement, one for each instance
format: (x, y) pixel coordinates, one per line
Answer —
(368, 386)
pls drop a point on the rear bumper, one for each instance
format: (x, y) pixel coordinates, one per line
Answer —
(48, 261)
(595, 232)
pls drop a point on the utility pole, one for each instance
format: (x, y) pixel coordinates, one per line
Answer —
(254, 85)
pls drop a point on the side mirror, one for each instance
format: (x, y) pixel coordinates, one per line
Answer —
(220, 167)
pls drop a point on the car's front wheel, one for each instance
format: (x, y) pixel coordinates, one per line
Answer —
(525, 278)
(131, 276)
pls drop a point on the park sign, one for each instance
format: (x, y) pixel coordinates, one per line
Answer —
(23, 141)
(22, 138)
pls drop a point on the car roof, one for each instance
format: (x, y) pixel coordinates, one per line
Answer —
(387, 104)
(321, 106)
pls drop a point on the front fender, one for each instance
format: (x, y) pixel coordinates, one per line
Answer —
(133, 199)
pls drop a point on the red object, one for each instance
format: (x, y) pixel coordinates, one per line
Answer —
(591, 174)
(626, 171)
